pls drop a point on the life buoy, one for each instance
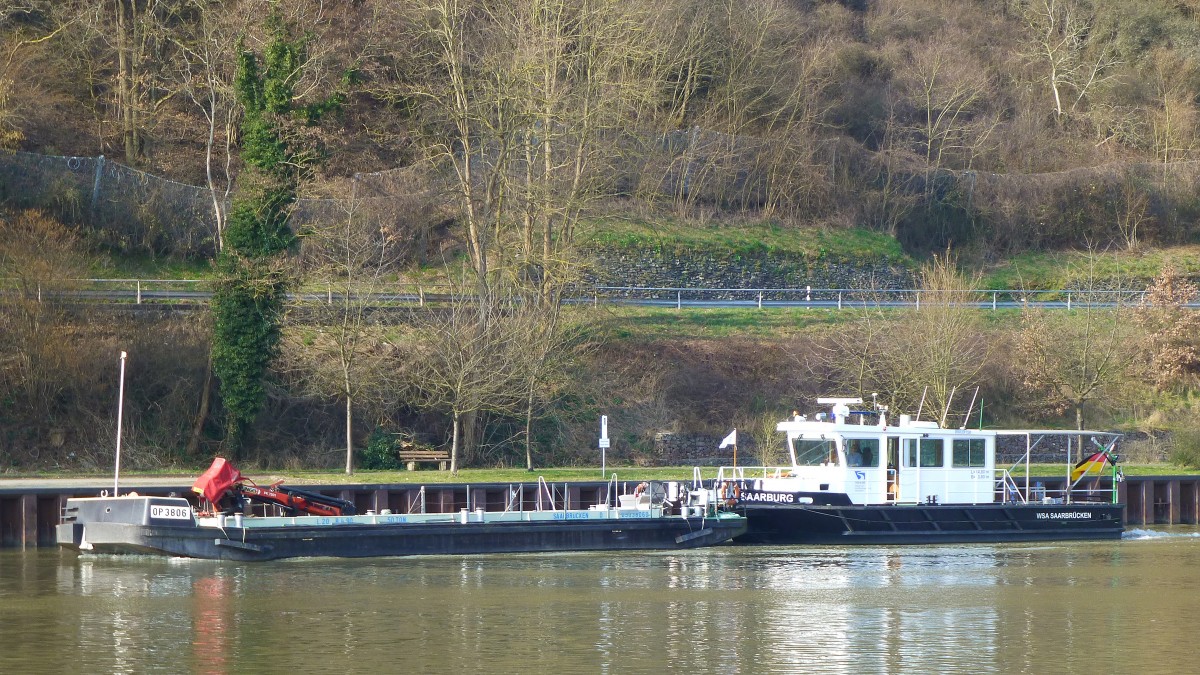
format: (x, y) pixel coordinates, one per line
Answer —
(730, 492)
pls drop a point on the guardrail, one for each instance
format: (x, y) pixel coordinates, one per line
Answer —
(139, 291)
(842, 298)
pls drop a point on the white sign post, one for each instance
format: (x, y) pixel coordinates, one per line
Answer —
(603, 442)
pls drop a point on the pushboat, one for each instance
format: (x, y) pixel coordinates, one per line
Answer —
(856, 478)
(217, 526)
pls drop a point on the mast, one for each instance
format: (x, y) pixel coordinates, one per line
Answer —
(120, 410)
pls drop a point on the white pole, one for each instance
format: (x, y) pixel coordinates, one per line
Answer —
(120, 410)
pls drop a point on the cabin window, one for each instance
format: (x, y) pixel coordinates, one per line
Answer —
(932, 452)
(814, 452)
(968, 452)
(924, 452)
(862, 451)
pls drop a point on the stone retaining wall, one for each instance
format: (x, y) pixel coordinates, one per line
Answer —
(665, 269)
(683, 449)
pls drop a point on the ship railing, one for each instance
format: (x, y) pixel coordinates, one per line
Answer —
(1087, 488)
(610, 492)
(545, 490)
(516, 498)
(416, 504)
(740, 473)
(1007, 489)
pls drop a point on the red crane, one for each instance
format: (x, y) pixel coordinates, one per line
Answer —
(223, 482)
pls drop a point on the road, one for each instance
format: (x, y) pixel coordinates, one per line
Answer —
(186, 294)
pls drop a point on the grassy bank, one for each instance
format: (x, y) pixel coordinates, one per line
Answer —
(505, 476)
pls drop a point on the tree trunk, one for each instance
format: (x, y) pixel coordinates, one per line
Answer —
(193, 446)
(1079, 426)
(349, 436)
(529, 429)
(454, 422)
(126, 20)
(468, 438)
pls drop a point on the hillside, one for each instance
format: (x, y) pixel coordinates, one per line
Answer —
(522, 147)
(995, 127)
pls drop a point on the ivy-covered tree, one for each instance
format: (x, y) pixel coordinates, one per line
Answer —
(252, 279)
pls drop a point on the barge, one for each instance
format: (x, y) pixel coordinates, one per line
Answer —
(656, 516)
(855, 478)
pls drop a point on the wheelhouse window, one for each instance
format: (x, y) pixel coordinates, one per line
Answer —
(927, 452)
(862, 451)
(810, 452)
(969, 452)
(933, 452)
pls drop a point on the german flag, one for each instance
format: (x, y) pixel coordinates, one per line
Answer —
(1089, 464)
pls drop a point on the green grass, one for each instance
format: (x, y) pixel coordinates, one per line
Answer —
(1053, 270)
(658, 323)
(1035, 270)
(106, 266)
(517, 475)
(753, 238)
(623, 473)
(514, 475)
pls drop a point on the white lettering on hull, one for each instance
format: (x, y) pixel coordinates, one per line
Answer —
(769, 497)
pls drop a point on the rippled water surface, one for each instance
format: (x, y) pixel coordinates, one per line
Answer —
(1100, 607)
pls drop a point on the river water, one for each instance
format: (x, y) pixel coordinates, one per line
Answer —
(1096, 607)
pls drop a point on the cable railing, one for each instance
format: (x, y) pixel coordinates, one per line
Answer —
(199, 291)
(842, 298)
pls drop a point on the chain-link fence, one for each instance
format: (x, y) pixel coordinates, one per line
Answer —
(1127, 204)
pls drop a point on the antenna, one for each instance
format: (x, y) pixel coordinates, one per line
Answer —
(967, 417)
(922, 404)
(946, 410)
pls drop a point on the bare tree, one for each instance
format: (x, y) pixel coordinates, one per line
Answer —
(949, 91)
(545, 345)
(1063, 42)
(208, 53)
(463, 361)
(338, 346)
(523, 103)
(1175, 119)
(929, 352)
(1172, 330)
(1069, 360)
(1132, 213)
(40, 258)
(139, 35)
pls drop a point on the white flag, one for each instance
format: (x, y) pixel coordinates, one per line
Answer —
(731, 439)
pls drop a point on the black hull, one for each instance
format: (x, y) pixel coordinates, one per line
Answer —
(929, 524)
(361, 541)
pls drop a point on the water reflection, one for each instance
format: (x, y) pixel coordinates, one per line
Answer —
(1014, 608)
(213, 630)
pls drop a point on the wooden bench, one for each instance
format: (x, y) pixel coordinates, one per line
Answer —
(411, 457)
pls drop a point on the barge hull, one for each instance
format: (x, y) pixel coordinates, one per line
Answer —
(368, 541)
(144, 526)
(930, 524)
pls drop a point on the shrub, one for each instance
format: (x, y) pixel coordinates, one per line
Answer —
(380, 453)
(1185, 450)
